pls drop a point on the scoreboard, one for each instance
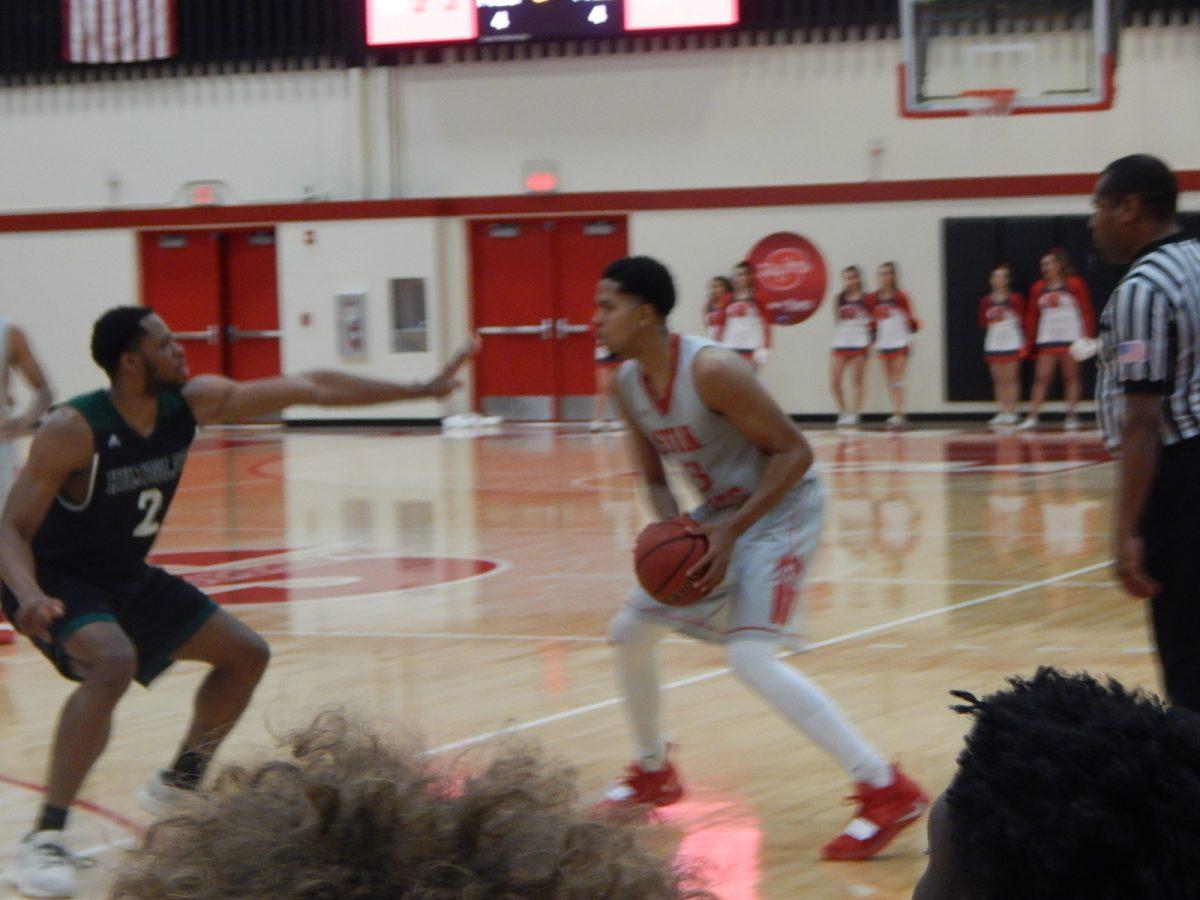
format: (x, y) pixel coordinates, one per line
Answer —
(408, 22)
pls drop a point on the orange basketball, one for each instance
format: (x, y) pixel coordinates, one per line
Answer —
(662, 556)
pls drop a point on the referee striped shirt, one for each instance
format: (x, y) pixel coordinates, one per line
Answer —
(1150, 340)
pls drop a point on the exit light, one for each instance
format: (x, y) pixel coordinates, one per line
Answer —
(541, 182)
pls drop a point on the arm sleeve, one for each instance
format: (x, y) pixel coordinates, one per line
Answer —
(765, 315)
(1031, 312)
(914, 324)
(1144, 333)
(1086, 310)
(983, 308)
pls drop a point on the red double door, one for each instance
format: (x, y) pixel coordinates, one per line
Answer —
(533, 285)
(218, 292)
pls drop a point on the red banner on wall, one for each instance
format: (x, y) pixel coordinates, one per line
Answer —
(790, 275)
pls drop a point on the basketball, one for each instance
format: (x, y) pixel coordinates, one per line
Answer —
(663, 554)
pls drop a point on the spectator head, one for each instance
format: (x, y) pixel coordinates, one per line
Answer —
(1068, 787)
(347, 814)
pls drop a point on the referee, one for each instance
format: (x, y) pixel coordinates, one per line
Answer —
(1148, 397)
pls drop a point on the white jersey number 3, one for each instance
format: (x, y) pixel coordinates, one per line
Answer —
(149, 500)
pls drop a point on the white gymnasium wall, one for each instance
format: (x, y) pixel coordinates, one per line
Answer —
(269, 137)
(784, 115)
(363, 256)
(699, 244)
(748, 116)
(55, 284)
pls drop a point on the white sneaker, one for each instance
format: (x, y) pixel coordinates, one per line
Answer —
(596, 425)
(1072, 423)
(159, 798)
(845, 420)
(997, 419)
(1030, 422)
(43, 867)
(895, 423)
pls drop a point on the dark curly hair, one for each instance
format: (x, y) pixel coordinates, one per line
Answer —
(1070, 787)
(645, 278)
(115, 333)
(350, 816)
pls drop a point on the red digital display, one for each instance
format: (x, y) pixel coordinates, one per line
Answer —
(661, 15)
(395, 22)
(421, 21)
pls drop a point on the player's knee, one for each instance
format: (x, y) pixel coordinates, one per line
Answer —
(112, 669)
(626, 629)
(254, 655)
(750, 659)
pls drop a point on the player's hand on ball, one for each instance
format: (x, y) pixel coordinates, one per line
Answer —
(35, 617)
(446, 381)
(710, 570)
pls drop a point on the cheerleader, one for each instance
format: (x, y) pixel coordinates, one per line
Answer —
(720, 291)
(895, 325)
(852, 334)
(1059, 313)
(746, 329)
(1000, 316)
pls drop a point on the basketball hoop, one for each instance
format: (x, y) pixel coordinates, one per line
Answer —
(991, 101)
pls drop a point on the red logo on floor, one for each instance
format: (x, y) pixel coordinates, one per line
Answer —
(315, 573)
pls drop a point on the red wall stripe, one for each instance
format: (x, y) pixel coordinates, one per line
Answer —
(1066, 185)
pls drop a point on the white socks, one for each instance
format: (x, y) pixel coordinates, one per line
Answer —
(804, 705)
(753, 661)
(634, 639)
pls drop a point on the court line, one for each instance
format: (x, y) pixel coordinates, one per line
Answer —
(458, 635)
(465, 531)
(725, 670)
(94, 808)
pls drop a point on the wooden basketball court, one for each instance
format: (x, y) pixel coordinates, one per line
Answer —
(460, 586)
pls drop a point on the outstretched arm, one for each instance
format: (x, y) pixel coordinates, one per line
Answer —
(214, 398)
(22, 358)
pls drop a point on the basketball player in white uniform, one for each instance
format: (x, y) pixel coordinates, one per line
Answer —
(15, 353)
(698, 405)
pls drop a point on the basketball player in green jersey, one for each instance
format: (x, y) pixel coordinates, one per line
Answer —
(81, 518)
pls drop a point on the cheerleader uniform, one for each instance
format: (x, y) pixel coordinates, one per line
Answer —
(894, 324)
(853, 330)
(1004, 337)
(1057, 317)
(714, 317)
(745, 328)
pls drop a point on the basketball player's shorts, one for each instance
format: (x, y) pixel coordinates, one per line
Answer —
(761, 591)
(8, 469)
(157, 611)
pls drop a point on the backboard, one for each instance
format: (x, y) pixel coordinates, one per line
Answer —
(1042, 56)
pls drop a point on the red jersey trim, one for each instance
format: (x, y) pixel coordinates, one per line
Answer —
(663, 404)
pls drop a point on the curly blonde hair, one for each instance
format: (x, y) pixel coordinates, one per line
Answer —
(350, 816)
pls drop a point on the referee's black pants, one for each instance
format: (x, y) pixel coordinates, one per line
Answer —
(1171, 533)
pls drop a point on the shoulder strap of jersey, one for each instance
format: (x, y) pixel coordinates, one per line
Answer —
(174, 404)
(97, 409)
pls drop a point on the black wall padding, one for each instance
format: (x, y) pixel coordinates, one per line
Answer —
(972, 247)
